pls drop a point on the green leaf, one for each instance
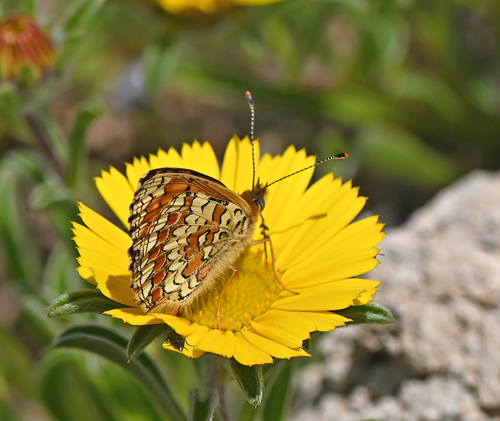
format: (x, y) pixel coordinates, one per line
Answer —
(403, 156)
(77, 386)
(160, 62)
(16, 364)
(250, 380)
(86, 115)
(367, 313)
(80, 13)
(85, 301)
(202, 408)
(143, 336)
(49, 193)
(21, 254)
(113, 346)
(60, 272)
(278, 393)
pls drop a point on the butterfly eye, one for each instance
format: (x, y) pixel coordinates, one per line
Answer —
(260, 202)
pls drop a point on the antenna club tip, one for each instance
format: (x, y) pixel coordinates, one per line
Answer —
(248, 94)
(346, 155)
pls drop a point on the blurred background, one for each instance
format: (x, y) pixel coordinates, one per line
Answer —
(410, 89)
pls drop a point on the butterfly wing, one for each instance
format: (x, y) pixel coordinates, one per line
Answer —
(187, 229)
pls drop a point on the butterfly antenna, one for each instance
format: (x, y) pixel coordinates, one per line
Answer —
(252, 133)
(338, 156)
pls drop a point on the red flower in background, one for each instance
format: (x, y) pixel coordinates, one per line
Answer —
(25, 50)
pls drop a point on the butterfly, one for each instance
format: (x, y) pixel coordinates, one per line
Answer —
(187, 230)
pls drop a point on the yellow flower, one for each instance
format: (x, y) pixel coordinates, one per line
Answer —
(318, 253)
(23, 45)
(207, 6)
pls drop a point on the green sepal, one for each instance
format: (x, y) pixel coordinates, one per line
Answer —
(202, 408)
(85, 301)
(250, 380)
(143, 336)
(111, 345)
(367, 313)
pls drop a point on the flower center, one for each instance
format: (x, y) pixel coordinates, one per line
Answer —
(251, 292)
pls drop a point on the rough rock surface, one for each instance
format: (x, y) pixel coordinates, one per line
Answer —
(440, 360)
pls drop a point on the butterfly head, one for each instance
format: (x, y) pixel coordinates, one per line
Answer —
(256, 198)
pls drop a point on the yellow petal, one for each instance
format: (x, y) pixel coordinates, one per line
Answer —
(301, 327)
(181, 326)
(247, 354)
(272, 348)
(360, 234)
(116, 288)
(87, 275)
(307, 211)
(348, 241)
(237, 167)
(341, 209)
(108, 231)
(101, 260)
(335, 267)
(133, 316)
(136, 170)
(285, 194)
(218, 342)
(116, 190)
(278, 331)
(201, 158)
(323, 321)
(318, 299)
(163, 159)
(188, 351)
(199, 332)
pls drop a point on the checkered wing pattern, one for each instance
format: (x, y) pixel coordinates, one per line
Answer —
(187, 230)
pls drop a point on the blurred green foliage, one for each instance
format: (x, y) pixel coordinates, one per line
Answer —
(410, 89)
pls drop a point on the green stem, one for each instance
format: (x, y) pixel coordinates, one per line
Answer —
(44, 144)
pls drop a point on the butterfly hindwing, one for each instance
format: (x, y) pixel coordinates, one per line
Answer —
(186, 229)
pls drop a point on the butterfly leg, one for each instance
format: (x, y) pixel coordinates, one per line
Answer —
(273, 260)
(235, 271)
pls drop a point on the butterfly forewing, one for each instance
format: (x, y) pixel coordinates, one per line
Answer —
(187, 229)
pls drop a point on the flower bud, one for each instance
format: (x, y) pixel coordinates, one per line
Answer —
(26, 52)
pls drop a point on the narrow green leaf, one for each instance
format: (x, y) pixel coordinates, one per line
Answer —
(397, 153)
(113, 346)
(49, 193)
(85, 301)
(16, 363)
(278, 394)
(21, 254)
(86, 115)
(201, 409)
(79, 13)
(160, 61)
(250, 381)
(78, 386)
(368, 313)
(143, 336)
(59, 272)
